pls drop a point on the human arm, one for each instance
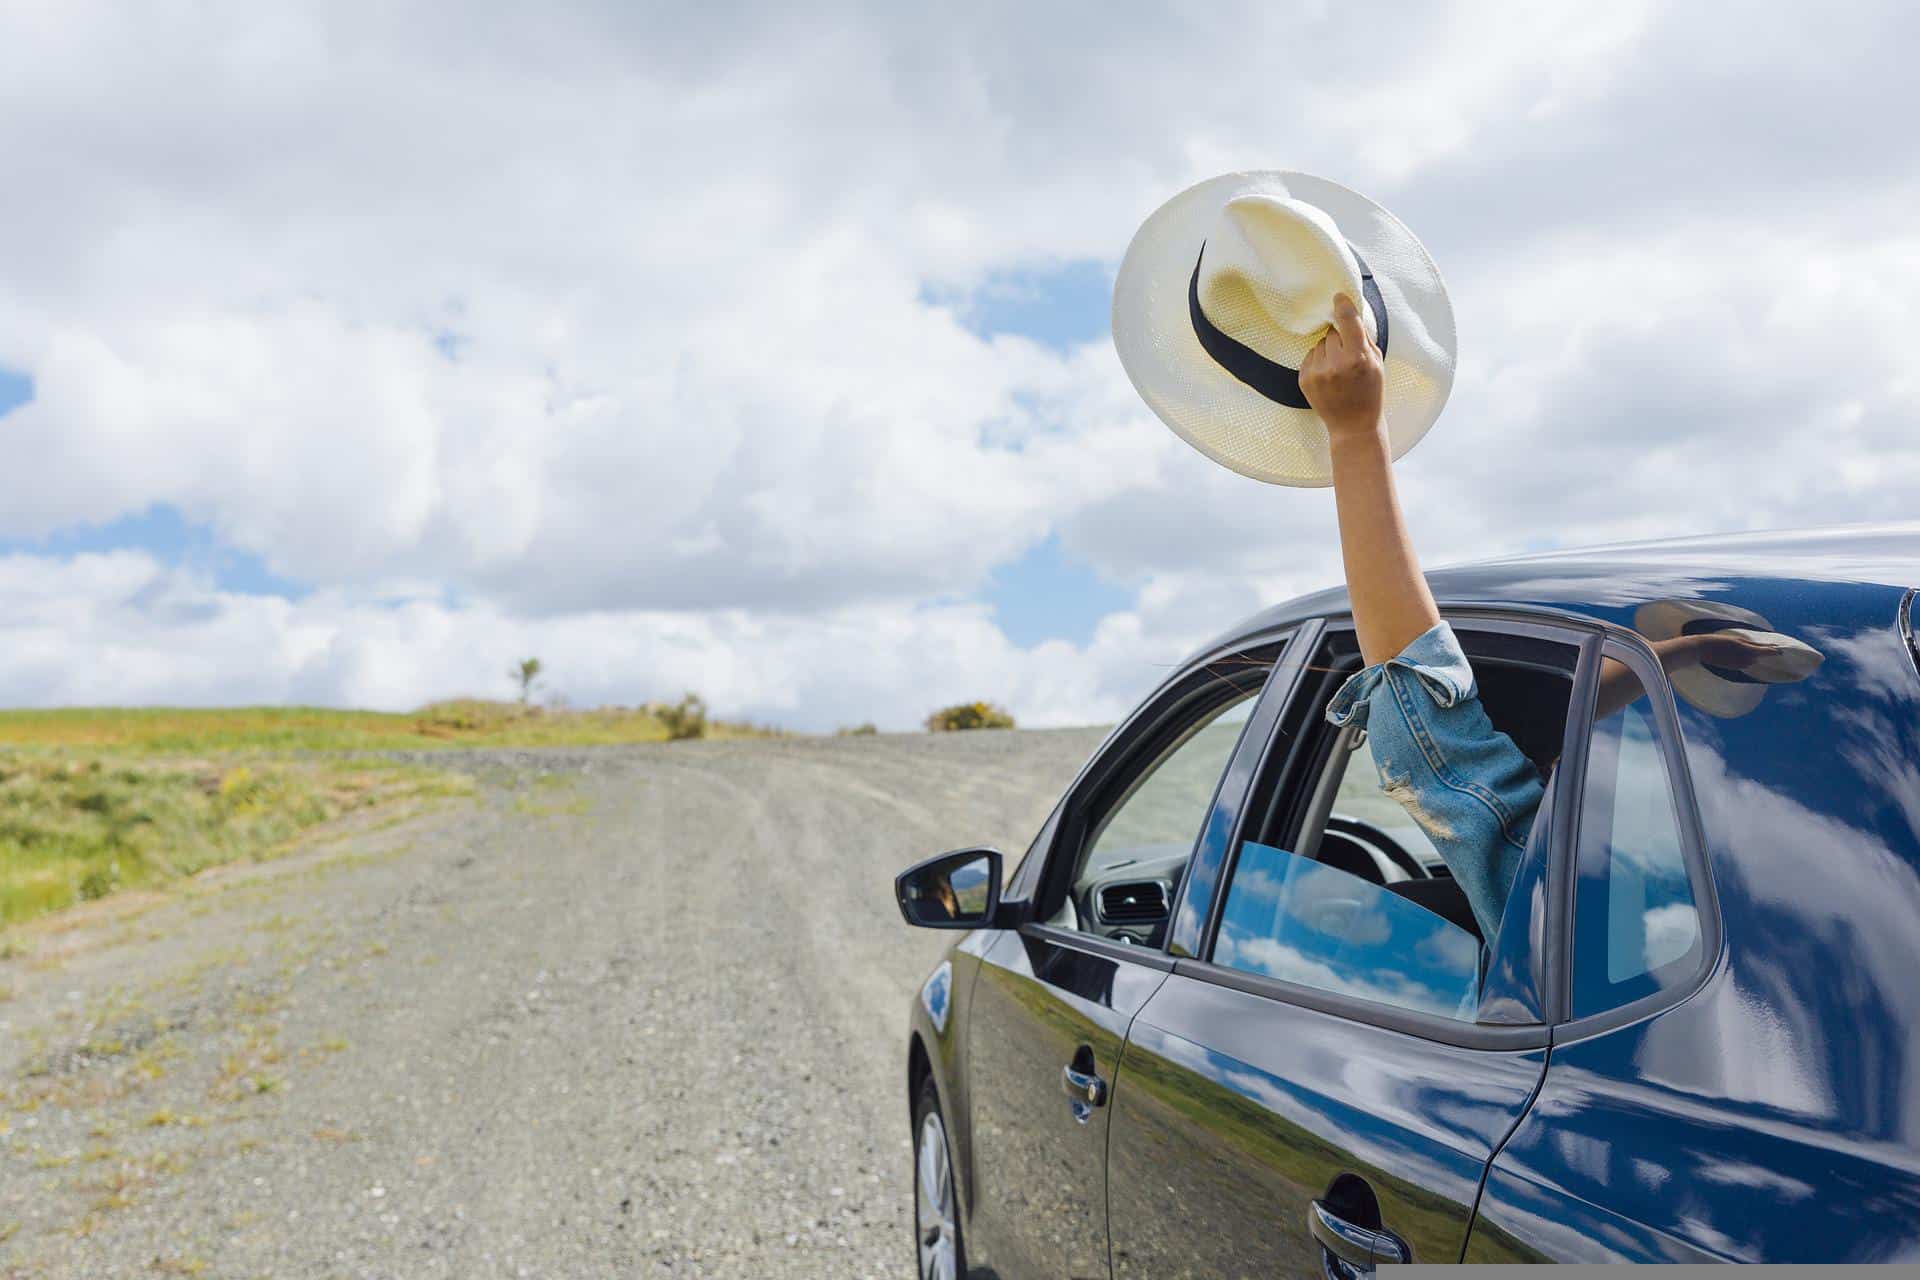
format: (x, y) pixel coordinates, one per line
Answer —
(1342, 378)
(1620, 688)
(1461, 780)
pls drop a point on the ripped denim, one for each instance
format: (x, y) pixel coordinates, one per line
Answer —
(1464, 782)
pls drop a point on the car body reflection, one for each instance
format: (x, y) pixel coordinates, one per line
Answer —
(1298, 920)
(1228, 1122)
(1792, 1077)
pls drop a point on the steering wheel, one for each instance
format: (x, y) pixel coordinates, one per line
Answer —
(1366, 833)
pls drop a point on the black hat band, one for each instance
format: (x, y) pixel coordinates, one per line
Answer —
(1273, 380)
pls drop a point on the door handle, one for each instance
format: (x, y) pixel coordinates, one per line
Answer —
(1359, 1247)
(1085, 1091)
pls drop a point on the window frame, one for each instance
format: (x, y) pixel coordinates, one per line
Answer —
(1304, 759)
(1121, 760)
(1264, 746)
(1290, 806)
(1907, 635)
(1633, 650)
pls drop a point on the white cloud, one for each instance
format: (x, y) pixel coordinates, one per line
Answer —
(612, 324)
(123, 628)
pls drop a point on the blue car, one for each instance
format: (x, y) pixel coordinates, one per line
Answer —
(1230, 1015)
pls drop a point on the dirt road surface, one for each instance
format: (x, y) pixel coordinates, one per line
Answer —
(628, 1012)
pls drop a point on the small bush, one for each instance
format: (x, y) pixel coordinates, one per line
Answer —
(865, 730)
(238, 789)
(99, 882)
(969, 715)
(685, 719)
(459, 716)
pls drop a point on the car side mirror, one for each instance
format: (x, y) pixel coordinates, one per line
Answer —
(958, 890)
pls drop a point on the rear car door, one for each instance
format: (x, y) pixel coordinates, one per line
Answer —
(1608, 1166)
(1054, 998)
(1320, 1082)
(1740, 1075)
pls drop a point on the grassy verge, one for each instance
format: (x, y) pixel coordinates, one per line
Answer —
(74, 829)
(93, 800)
(466, 723)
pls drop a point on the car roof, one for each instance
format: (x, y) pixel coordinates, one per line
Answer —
(1606, 581)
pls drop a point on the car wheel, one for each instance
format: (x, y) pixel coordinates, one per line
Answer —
(936, 1213)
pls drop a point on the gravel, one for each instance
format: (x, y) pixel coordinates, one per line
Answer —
(630, 1011)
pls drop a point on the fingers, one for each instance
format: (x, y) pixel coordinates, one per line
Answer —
(1345, 341)
(1346, 323)
(1735, 652)
(1341, 376)
(1317, 357)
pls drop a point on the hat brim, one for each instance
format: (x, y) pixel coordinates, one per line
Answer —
(1223, 417)
(1714, 694)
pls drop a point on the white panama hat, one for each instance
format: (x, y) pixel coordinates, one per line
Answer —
(1724, 693)
(1228, 286)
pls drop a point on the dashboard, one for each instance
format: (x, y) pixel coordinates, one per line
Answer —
(1127, 898)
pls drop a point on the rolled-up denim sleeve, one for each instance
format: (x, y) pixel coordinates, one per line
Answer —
(1460, 779)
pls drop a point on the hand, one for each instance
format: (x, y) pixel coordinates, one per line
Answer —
(1729, 650)
(1724, 649)
(1342, 377)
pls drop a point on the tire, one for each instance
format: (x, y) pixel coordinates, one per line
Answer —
(939, 1252)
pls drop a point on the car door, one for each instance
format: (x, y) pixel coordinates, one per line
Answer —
(1739, 1075)
(1321, 1081)
(1054, 997)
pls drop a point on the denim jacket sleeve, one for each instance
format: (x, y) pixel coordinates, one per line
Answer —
(1464, 782)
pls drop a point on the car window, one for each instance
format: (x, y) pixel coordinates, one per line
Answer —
(1123, 881)
(1343, 884)
(1163, 811)
(1303, 921)
(1636, 924)
(1361, 799)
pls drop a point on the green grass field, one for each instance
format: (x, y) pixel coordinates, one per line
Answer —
(75, 828)
(97, 800)
(444, 724)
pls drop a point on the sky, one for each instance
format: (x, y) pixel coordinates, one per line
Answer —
(349, 353)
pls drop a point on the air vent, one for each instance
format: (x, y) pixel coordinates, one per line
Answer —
(1133, 902)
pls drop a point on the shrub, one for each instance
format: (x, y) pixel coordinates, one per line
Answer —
(99, 882)
(969, 715)
(856, 730)
(459, 716)
(685, 719)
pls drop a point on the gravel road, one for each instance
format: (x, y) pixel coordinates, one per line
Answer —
(633, 1011)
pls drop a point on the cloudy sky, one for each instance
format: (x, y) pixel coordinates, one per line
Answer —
(350, 351)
